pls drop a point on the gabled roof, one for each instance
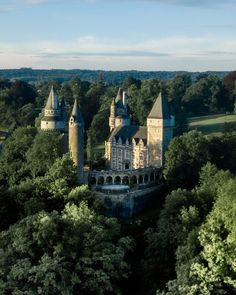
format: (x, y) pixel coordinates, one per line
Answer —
(129, 133)
(160, 108)
(76, 113)
(52, 102)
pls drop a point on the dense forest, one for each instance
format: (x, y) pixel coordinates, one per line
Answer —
(29, 74)
(54, 235)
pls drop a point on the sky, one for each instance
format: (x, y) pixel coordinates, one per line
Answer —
(152, 35)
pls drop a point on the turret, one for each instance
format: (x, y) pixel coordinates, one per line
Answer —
(159, 131)
(76, 139)
(112, 115)
(52, 119)
(121, 117)
(124, 99)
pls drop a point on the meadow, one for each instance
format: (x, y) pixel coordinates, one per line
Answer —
(212, 124)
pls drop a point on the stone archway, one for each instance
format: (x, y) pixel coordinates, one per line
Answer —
(146, 178)
(125, 180)
(101, 180)
(117, 180)
(134, 179)
(140, 179)
(93, 181)
(152, 177)
(156, 176)
(109, 180)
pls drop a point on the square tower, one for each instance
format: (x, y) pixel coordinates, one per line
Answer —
(159, 131)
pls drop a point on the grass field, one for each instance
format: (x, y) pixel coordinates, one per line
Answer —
(211, 125)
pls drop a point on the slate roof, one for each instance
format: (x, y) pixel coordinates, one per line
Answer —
(52, 102)
(129, 133)
(76, 113)
(160, 108)
(119, 95)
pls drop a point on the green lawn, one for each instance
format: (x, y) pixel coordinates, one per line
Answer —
(213, 124)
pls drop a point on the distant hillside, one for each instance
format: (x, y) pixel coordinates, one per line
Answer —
(29, 74)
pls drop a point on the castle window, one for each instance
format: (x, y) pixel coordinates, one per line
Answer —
(127, 154)
(126, 166)
(119, 152)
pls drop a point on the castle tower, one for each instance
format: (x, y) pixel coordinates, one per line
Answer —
(76, 139)
(53, 118)
(121, 117)
(112, 115)
(159, 131)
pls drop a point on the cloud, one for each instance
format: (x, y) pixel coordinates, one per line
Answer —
(173, 53)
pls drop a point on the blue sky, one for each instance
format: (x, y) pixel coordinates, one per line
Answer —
(193, 35)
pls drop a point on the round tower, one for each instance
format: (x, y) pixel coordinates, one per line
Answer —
(53, 119)
(76, 140)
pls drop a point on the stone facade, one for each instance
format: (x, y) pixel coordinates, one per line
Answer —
(135, 147)
(54, 119)
(76, 140)
(132, 152)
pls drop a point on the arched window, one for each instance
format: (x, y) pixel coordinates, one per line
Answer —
(125, 180)
(117, 180)
(109, 180)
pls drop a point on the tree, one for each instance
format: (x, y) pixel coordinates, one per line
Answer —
(218, 147)
(177, 88)
(13, 168)
(75, 252)
(214, 272)
(184, 158)
(204, 96)
(46, 148)
(130, 81)
(229, 86)
(200, 240)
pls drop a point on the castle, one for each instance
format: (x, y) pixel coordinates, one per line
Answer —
(55, 119)
(134, 147)
(134, 154)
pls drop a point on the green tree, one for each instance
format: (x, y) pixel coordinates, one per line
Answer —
(204, 96)
(229, 86)
(46, 148)
(13, 168)
(177, 88)
(223, 151)
(75, 252)
(214, 272)
(184, 158)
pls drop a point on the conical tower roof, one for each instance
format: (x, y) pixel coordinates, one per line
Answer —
(119, 95)
(52, 102)
(76, 113)
(113, 102)
(160, 108)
